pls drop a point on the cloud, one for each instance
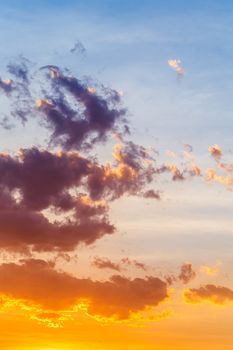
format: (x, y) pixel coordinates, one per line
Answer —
(195, 170)
(176, 66)
(209, 293)
(105, 263)
(37, 282)
(152, 194)
(24, 230)
(53, 201)
(41, 176)
(20, 70)
(211, 270)
(187, 273)
(177, 174)
(188, 148)
(6, 124)
(135, 263)
(213, 177)
(6, 85)
(215, 151)
(78, 116)
(132, 171)
(43, 180)
(78, 47)
(228, 168)
(74, 188)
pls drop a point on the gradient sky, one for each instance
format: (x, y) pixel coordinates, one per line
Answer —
(163, 279)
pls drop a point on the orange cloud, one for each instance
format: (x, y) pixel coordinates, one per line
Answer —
(177, 174)
(209, 293)
(211, 270)
(212, 176)
(42, 103)
(36, 282)
(176, 65)
(215, 151)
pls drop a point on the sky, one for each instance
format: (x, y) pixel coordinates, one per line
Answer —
(116, 175)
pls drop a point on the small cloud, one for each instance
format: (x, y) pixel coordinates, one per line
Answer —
(175, 64)
(215, 151)
(211, 270)
(187, 273)
(78, 48)
(152, 194)
(105, 263)
(135, 263)
(218, 295)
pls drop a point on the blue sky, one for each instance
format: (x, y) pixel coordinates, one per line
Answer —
(128, 44)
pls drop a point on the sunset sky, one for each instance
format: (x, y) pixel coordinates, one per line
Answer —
(116, 175)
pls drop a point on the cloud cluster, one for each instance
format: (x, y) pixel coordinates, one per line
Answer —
(52, 201)
(37, 282)
(56, 200)
(65, 183)
(37, 180)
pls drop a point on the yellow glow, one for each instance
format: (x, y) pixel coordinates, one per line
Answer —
(91, 90)
(40, 103)
(7, 81)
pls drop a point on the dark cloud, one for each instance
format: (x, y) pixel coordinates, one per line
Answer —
(6, 124)
(105, 263)
(88, 119)
(20, 230)
(73, 189)
(42, 176)
(43, 181)
(135, 263)
(78, 48)
(152, 194)
(20, 69)
(187, 273)
(64, 183)
(18, 89)
(78, 116)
